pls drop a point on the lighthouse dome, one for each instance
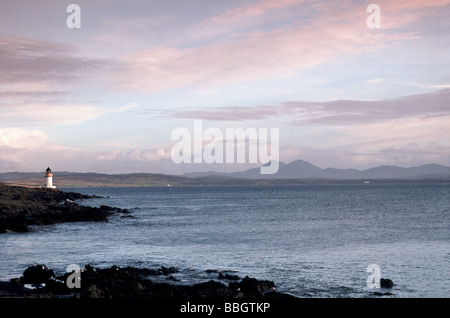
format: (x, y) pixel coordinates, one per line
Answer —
(48, 172)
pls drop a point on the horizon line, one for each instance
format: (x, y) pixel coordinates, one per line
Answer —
(213, 171)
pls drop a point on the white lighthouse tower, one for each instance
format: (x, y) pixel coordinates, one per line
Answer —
(49, 179)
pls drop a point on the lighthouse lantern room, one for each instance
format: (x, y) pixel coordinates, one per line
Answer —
(49, 179)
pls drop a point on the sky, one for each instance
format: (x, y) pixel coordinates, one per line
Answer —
(107, 96)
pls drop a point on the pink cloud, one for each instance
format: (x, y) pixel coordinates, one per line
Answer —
(333, 31)
(334, 113)
(253, 10)
(412, 4)
(396, 14)
(278, 53)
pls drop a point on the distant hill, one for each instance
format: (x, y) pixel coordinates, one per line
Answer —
(294, 173)
(205, 174)
(300, 169)
(12, 176)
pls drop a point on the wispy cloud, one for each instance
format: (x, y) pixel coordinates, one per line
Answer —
(248, 11)
(335, 113)
(39, 79)
(275, 54)
(48, 114)
(54, 113)
(34, 61)
(329, 33)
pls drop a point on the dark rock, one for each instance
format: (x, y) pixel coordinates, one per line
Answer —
(211, 271)
(57, 287)
(108, 208)
(173, 278)
(92, 292)
(111, 209)
(253, 286)
(23, 207)
(13, 288)
(37, 274)
(211, 289)
(382, 294)
(130, 282)
(167, 271)
(89, 268)
(386, 283)
(127, 217)
(228, 276)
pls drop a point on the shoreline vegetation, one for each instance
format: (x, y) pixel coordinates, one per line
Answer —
(22, 207)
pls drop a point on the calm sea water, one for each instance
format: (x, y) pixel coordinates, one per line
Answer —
(312, 241)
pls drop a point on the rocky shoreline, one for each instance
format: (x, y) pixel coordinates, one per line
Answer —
(115, 282)
(22, 207)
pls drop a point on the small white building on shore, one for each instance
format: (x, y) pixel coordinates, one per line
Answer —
(49, 179)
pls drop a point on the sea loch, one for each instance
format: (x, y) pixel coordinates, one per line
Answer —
(311, 241)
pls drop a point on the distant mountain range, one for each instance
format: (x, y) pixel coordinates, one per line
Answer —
(300, 169)
(296, 172)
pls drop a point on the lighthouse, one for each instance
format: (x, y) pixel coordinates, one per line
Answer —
(49, 179)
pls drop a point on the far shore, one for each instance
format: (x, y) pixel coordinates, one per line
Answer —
(206, 182)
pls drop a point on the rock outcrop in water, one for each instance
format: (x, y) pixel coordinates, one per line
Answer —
(130, 282)
(37, 274)
(21, 207)
(386, 283)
